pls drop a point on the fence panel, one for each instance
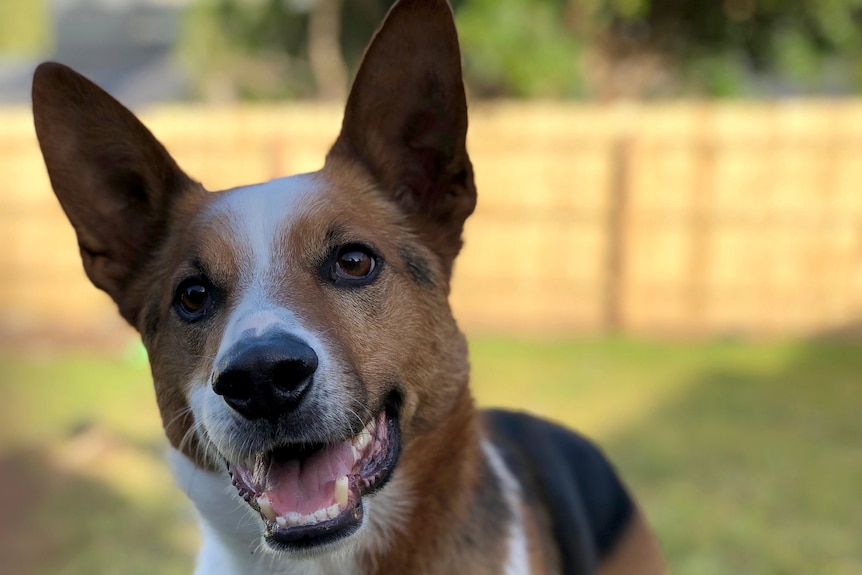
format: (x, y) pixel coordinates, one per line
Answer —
(688, 218)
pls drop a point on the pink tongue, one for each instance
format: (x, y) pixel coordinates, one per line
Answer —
(307, 485)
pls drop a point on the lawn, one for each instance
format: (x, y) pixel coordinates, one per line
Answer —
(746, 457)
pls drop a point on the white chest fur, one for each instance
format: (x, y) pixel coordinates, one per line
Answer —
(232, 543)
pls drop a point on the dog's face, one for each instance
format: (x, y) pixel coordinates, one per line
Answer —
(298, 330)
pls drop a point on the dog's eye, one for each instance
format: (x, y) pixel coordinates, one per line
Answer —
(193, 298)
(354, 263)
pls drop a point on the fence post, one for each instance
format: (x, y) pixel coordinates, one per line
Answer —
(701, 223)
(614, 319)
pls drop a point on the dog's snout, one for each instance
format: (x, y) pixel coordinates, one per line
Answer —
(265, 377)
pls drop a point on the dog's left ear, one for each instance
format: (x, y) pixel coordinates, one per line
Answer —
(406, 121)
(117, 184)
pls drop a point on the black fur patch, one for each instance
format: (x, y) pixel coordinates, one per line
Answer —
(417, 267)
(150, 323)
(588, 506)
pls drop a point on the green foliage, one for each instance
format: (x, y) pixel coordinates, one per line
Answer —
(514, 48)
(721, 75)
(751, 46)
(559, 48)
(258, 49)
(236, 49)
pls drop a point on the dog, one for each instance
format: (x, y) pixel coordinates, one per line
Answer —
(312, 381)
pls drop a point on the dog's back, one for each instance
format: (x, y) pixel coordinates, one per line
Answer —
(574, 493)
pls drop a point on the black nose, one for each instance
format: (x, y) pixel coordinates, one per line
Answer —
(265, 377)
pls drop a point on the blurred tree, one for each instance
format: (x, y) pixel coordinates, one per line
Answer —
(324, 49)
(720, 47)
(263, 49)
(542, 48)
(642, 48)
(246, 49)
(519, 48)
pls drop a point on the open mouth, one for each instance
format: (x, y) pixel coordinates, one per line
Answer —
(311, 494)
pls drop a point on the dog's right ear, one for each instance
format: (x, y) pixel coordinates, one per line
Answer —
(406, 121)
(114, 180)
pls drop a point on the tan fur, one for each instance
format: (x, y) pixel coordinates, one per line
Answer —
(637, 552)
(163, 339)
(543, 555)
(444, 534)
(399, 179)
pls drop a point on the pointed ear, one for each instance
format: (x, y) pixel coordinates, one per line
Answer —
(406, 121)
(114, 180)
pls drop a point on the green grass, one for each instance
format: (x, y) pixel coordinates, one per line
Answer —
(82, 484)
(746, 457)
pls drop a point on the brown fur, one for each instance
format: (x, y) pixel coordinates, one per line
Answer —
(450, 530)
(638, 552)
(543, 554)
(143, 226)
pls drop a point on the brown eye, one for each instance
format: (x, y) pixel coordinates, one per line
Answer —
(193, 299)
(354, 263)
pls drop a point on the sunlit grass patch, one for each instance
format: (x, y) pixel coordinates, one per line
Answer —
(47, 395)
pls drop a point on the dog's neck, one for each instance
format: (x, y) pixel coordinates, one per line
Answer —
(423, 521)
(453, 495)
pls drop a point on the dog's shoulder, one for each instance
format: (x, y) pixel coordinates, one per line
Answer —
(568, 476)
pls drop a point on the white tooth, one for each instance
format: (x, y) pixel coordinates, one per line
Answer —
(307, 519)
(293, 517)
(332, 511)
(363, 439)
(266, 507)
(282, 521)
(320, 515)
(356, 455)
(341, 491)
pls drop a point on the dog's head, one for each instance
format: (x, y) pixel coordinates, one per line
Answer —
(298, 330)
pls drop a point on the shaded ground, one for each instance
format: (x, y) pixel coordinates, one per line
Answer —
(57, 520)
(757, 468)
(83, 486)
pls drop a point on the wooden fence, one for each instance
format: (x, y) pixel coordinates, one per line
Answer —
(687, 219)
